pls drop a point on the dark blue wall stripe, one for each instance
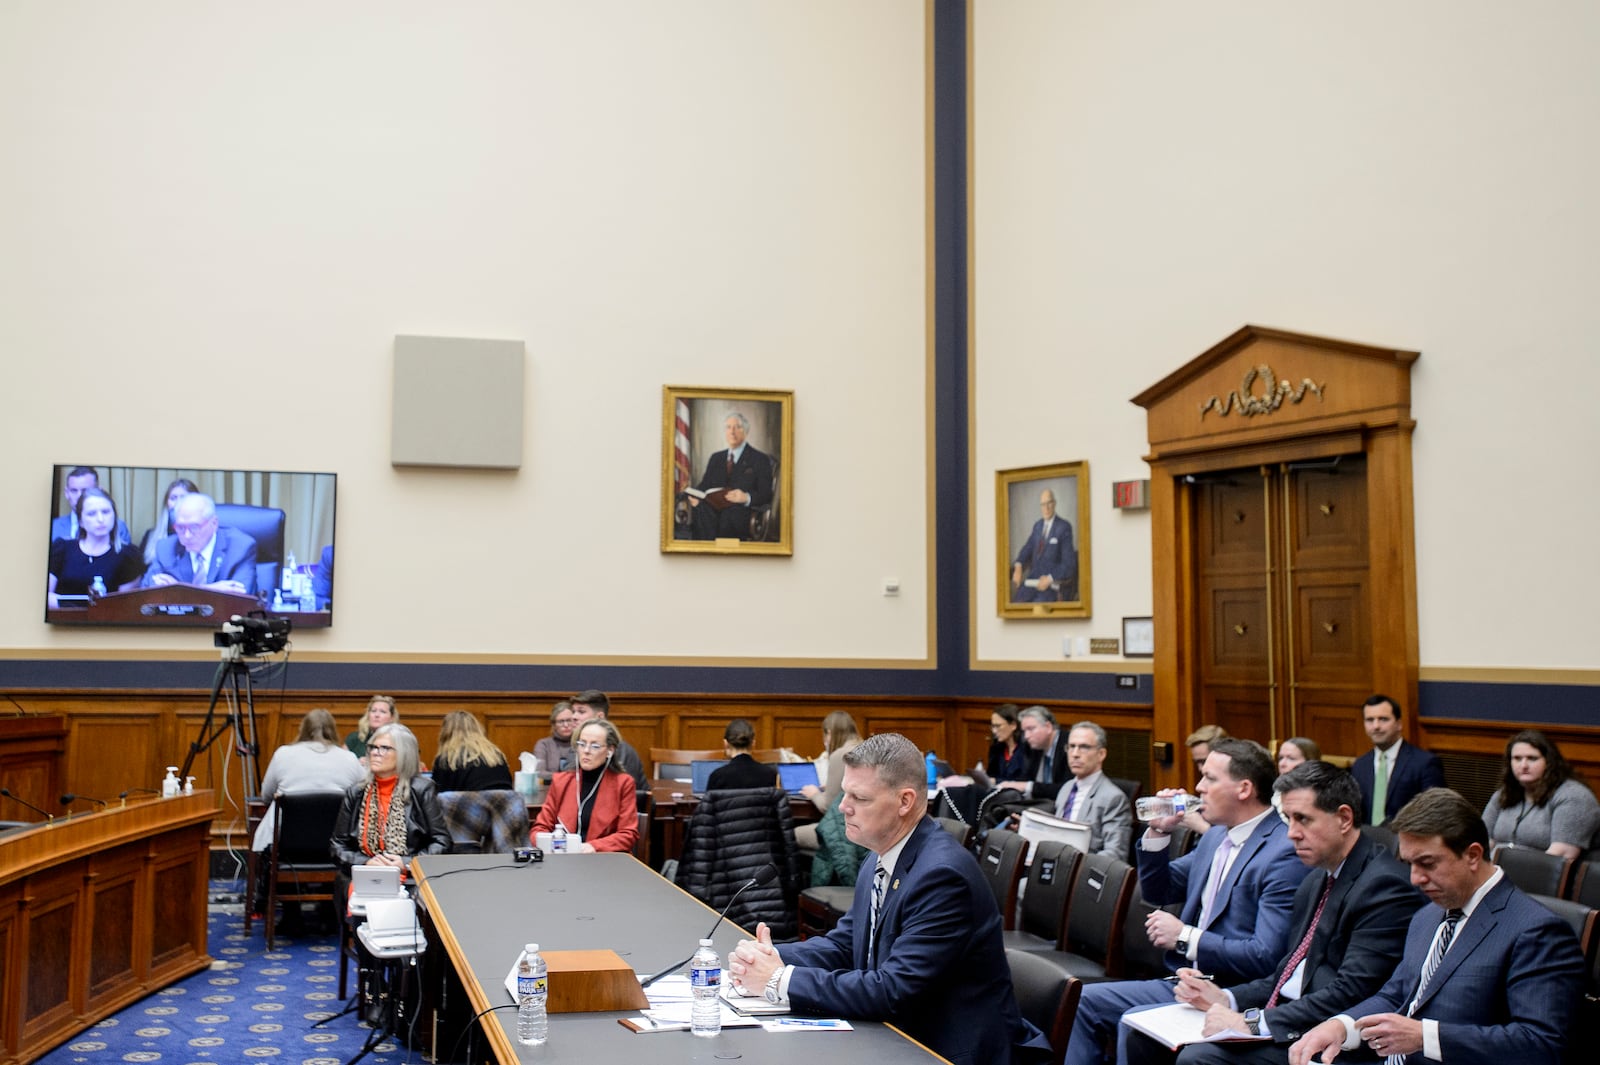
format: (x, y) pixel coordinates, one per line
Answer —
(1554, 704)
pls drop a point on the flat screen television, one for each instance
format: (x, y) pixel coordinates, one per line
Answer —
(125, 543)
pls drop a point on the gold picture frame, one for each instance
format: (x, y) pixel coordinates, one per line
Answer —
(711, 504)
(1059, 561)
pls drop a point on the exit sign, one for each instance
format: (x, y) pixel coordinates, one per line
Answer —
(1130, 495)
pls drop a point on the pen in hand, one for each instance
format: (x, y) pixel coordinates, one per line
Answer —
(1197, 976)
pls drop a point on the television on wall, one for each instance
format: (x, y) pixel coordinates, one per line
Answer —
(180, 546)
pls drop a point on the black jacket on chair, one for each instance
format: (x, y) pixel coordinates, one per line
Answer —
(731, 835)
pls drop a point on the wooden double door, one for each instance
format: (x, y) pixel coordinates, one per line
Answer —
(1283, 566)
(1282, 590)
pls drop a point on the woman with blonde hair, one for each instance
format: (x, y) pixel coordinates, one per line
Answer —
(381, 710)
(468, 760)
(839, 734)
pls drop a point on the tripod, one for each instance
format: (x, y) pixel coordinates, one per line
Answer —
(233, 675)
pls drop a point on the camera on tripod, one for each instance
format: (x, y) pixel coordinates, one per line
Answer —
(253, 635)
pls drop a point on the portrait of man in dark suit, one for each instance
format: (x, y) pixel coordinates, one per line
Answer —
(725, 475)
(1043, 541)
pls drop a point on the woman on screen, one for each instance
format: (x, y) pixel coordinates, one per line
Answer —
(75, 565)
(392, 813)
(156, 533)
(595, 802)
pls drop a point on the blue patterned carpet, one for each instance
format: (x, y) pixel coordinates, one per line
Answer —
(251, 1005)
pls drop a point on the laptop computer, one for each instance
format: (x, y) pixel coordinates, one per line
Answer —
(369, 882)
(796, 775)
(392, 925)
(700, 772)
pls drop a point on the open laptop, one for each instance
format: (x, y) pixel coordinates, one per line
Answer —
(700, 772)
(373, 882)
(796, 775)
(392, 925)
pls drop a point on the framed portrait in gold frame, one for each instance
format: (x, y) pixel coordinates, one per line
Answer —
(1042, 541)
(727, 472)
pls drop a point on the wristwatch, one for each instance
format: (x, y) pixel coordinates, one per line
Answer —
(771, 993)
(1252, 1021)
(1183, 944)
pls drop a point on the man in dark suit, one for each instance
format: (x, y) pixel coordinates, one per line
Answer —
(736, 479)
(920, 947)
(1237, 888)
(1046, 569)
(79, 480)
(1488, 977)
(1348, 925)
(1393, 772)
(200, 552)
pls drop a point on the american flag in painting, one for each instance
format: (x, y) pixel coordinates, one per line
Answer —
(680, 449)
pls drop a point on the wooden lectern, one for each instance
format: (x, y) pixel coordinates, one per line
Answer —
(592, 981)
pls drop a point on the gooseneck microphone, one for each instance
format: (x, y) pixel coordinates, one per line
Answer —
(14, 797)
(71, 797)
(765, 875)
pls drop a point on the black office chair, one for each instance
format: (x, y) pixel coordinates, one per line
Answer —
(1047, 997)
(1141, 959)
(958, 829)
(1000, 861)
(264, 525)
(1534, 871)
(1095, 920)
(300, 867)
(1051, 877)
(1585, 886)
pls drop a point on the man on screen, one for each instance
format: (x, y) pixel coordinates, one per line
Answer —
(744, 476)
(203, 554)
(79, 480)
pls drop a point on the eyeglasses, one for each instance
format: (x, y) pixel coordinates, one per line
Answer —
(585, 745)
(378, 748)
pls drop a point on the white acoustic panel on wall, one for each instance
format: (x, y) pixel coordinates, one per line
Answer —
(457, 402)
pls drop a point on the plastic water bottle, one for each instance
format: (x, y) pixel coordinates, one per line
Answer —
(98, 588)
(288, 574)
(705, 977)
(933, 771)
(1150, 807)
(558, 839)
(533, 988)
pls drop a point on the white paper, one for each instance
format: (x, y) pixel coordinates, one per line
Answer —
(1180, 1024)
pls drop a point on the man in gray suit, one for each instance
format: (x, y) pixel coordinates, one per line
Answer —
(1488, 977)
(1092, 798)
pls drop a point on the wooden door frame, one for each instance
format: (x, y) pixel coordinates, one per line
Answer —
(1262, 397)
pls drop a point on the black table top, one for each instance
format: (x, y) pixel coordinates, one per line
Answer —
(489, 907)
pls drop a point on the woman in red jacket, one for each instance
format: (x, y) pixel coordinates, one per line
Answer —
(596, 801)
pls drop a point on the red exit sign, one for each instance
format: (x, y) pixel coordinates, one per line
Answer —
(1130, 495)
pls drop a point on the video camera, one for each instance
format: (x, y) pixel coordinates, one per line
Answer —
(253, 635)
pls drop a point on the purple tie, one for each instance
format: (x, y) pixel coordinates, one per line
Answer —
(1219, 869)
(1071, 800)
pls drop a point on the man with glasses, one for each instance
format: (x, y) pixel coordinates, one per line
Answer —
(202, 553)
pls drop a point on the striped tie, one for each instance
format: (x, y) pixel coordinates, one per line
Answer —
(1300, 952)
(879, 878)
(1441, 944)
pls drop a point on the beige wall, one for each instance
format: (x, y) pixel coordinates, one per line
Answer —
(1150, 177)
(216, 218)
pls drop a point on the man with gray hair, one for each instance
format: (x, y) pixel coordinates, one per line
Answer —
(921, 946)
(200, 552)
(736, 479)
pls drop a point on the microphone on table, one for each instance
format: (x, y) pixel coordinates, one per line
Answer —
(71, 797)
(14, 797)
(765, 875)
